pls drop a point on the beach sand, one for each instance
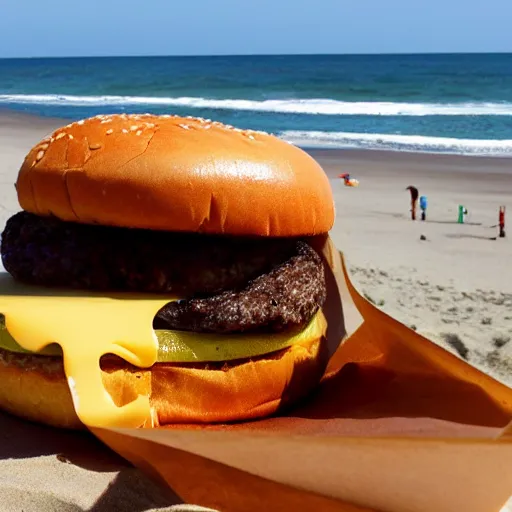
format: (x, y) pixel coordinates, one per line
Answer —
(455, 287)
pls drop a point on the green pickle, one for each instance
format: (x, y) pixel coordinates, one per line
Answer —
(189, 347)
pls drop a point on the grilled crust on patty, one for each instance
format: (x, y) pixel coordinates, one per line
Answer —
(288, 296)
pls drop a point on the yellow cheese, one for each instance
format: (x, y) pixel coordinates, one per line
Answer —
(119, 324)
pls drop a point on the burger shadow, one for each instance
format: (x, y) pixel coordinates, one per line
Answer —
(363, 392)
(20, 439)
(135, 492)
(129, 490)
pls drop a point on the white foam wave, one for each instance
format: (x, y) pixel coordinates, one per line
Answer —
(287, 106)
(415, 143)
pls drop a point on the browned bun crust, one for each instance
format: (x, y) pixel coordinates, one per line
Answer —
(176, 174)
(35, 387)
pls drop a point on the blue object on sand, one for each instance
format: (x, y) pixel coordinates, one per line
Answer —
(423, 202)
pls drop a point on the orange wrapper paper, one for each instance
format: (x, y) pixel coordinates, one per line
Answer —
(398, 424)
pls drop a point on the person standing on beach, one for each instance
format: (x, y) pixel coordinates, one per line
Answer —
(414, 200)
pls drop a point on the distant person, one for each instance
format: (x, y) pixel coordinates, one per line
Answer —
(414, 200)
(502, 221)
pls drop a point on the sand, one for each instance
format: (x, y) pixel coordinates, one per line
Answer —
(455, 287)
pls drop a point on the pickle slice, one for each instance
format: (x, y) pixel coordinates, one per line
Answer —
(190, 347)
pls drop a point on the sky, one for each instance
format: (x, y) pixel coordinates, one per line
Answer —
(56, 28)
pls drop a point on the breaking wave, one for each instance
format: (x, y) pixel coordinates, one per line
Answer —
(413, 143)
(286, 106)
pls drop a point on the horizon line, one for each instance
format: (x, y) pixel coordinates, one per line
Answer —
(221, 55)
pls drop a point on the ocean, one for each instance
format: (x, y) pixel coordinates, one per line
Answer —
(444, 103)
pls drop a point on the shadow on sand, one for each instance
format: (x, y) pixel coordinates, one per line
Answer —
(453, 222)
(128, 489)
(476, 237)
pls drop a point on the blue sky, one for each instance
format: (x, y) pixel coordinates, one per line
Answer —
(211, 27)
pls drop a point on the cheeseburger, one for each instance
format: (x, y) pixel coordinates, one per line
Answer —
(166, 263)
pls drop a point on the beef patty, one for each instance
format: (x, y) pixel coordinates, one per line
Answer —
(229, 284)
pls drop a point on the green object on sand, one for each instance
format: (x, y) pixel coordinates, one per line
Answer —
(462, 212)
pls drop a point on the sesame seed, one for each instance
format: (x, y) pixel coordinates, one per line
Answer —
(104, 121)
(60, 135)
(80, 122)
(251, 137)
(139, 132)
(134, 127)
(110, 131)
(124, 130)
(150, 125)
(39, 155)
(184, 126)
(70, 136)
(96, 145)
(45, 146)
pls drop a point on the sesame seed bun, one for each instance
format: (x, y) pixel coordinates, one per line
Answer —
(176, 174)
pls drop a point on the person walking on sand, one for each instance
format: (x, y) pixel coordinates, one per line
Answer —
(414, 200)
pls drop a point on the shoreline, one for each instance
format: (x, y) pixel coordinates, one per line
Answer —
(21, 119)
(465, 163)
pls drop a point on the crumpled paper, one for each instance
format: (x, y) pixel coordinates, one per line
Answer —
(398, 424)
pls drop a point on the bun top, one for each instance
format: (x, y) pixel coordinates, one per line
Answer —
(176, 174)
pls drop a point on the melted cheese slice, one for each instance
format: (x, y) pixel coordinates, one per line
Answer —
(87, 327)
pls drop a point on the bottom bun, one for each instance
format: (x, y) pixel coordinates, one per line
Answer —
(35, 387)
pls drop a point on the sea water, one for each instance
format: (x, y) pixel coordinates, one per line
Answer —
(447, 103)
